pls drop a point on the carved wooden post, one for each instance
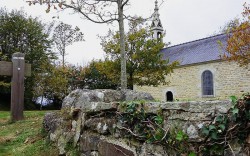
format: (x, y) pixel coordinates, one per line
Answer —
(17, 87)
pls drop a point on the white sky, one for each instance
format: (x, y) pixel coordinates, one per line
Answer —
(183, 21)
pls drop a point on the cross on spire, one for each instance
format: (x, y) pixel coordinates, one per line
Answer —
(156, 6)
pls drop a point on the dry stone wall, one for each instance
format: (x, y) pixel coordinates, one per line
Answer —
(90, 121)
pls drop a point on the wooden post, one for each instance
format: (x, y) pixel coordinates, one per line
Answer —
(17, 87)
(17, 69)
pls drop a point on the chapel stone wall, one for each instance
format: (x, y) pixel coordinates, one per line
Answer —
(186, 84)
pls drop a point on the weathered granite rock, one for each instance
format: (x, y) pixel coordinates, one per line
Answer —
(89, 142)
(131, 95)
(192, 107)
(98, 106)
(100, 125)
(89, 99)
(152, 150)
(51, 122)
(103, 147)
(192, 132)
(110, 149)
(77, 130)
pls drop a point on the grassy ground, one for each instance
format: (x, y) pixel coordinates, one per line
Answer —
(26, 137)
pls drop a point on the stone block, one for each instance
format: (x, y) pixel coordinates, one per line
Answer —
(188, 116)
(110, 149)
(88, 99)
(152, 150)
(100, 125)
(89, 142)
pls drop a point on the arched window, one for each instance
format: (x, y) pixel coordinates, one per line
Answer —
(169, 96)
(207, 83)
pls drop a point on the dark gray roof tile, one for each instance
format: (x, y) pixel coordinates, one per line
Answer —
(198, 51)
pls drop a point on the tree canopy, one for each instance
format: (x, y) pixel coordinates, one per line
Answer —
(145, 65)
(238, 44)
(98, 11)
(63, 36)
(22, 33)
(95, 76)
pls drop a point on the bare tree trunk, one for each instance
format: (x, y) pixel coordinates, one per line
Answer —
(122, 44)
(63, 56)
(41, 106)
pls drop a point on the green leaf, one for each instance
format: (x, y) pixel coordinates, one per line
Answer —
(158, 137)
(211, 127)
(180, 136)
(158, 119)
(150, 140)
(233, 99)
(192, 154)
(222, 127)
(214, 135)
(159, 134)
(205, 131)
(219, 118)
(235, 111)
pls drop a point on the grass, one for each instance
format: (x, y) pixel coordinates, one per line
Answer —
(26, 137)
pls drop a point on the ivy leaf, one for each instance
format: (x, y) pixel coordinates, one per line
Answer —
(158, 119)
(235, 111)
(219, 118)
(205, 131)
(233, 99)
(222, 127)
(158, 137)
(192, 154)
(211, 127)
(150, 140)
(180, 136)
(214, 136)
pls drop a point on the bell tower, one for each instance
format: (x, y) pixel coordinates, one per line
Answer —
(156, 25)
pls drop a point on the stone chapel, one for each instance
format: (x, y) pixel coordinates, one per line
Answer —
(202, 74)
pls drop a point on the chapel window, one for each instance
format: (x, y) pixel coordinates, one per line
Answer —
(169, 96)
(207, 83)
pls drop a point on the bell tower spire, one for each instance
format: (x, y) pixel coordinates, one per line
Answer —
(156, 25)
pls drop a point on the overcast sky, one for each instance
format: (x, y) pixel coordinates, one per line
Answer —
(183, 21)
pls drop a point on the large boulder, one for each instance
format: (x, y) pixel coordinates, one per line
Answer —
(93, 99)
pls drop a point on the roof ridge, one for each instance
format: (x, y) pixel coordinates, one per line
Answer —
(196, 40)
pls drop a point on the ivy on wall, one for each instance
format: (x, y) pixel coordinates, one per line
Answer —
(225, 129)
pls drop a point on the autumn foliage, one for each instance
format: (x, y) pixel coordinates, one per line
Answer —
(238, 45)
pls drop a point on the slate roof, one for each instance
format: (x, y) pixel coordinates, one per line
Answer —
(198, 51)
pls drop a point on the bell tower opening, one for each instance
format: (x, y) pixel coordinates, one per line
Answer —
(159, 35)
(156, 25)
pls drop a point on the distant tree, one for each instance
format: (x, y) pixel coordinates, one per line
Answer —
(75, 76)
(227, 27)
(98, 11)
(95, 77)
(145, 65)
(238, 44)
(230, 26)
(21, 33)
(64, 35)
(52, 84)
